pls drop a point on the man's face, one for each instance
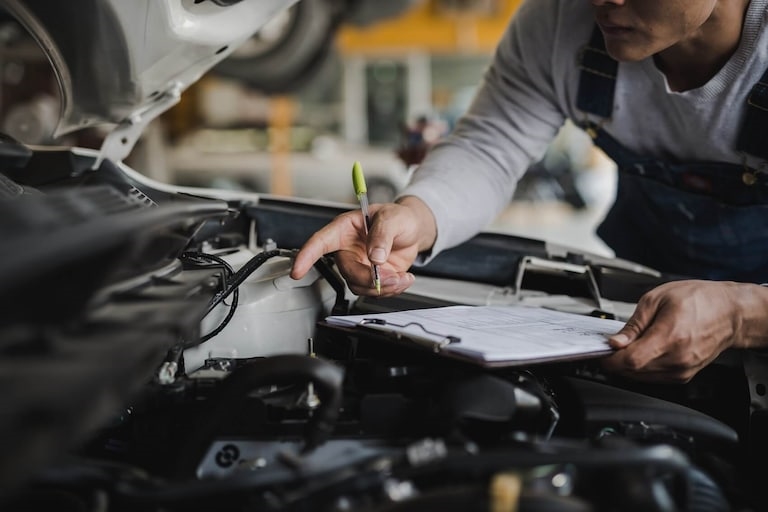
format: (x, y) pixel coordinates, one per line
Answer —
(637, 29)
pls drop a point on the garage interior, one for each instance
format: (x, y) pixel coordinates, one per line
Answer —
(291, 122)
(157, 356)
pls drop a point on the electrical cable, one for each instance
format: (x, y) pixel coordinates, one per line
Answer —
(325, 267)
(241, 275)
(229, 272)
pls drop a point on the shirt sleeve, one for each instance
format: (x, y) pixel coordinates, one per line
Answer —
(470, 176)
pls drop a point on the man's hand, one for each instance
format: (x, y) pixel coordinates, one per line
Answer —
(680, 327)
(398, 232)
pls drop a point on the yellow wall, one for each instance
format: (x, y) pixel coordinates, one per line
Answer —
(429, 28)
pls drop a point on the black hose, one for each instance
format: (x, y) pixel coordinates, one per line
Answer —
(325, 267)
(286, 369)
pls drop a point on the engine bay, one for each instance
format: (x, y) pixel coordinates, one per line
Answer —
(157, 356)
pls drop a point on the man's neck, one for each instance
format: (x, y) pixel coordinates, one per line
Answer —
(692, 63)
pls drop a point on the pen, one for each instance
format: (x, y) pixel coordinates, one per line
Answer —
(358, 180)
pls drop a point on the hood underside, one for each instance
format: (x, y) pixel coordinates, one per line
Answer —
(119, 61)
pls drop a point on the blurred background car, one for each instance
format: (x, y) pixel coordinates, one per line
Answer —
(317, 168)
(320, 85)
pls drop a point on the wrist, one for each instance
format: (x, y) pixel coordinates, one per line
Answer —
(425, 219)
(752, 300)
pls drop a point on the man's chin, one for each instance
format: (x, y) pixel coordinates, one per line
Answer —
(625, 53)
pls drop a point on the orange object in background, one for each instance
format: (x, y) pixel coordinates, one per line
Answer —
(280, 122)
(436, 26)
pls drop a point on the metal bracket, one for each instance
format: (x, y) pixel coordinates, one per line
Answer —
(119, 143)
(533, 263)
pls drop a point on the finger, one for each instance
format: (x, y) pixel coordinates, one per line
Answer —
(381, 236)
(620, 339)
(647, 352)
(357, 274)
(390, 286)
(637, 357)
(641, 318)
(655, 350)
(324, 241)
(396, 284)
(309, 254)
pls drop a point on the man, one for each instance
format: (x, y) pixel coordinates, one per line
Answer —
(665, 87)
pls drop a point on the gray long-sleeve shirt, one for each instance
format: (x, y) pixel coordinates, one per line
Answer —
(530, 89)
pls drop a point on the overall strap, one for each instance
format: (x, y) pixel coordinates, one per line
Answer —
(597, 84)
(753, 137)
(597, 80)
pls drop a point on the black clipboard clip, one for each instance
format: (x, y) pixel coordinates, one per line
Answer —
(400, 332)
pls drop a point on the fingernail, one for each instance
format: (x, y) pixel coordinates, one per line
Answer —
(620, 339)
(378, 256)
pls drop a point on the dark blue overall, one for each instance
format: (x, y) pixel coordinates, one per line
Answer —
(698, 219)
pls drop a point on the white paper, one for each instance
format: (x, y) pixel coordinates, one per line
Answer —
(497, 334)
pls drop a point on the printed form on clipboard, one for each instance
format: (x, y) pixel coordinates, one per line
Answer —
(494, 335)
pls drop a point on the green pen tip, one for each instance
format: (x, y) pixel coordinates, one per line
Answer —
(358, 180)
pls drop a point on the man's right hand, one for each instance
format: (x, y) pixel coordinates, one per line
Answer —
(398, 232)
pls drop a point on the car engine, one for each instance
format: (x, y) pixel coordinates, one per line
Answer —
(157, 356)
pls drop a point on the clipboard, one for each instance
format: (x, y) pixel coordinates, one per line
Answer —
(489, 336)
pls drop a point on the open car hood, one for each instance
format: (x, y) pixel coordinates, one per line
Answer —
(125, 62)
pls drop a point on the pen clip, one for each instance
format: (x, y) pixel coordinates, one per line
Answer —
(435, 345)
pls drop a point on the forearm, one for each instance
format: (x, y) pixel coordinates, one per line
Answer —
(460, 201)
(470, 176)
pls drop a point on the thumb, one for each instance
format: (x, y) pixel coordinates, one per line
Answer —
(621, 339)
(378, 255)
(635, 326)
(380, 238)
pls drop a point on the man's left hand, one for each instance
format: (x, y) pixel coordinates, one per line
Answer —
(681, 326)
